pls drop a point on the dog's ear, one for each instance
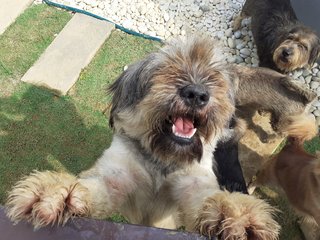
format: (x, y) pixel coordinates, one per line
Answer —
(315, 53)
(306, 95)
(130, 87)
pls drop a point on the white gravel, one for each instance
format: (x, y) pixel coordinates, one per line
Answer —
(169, 18)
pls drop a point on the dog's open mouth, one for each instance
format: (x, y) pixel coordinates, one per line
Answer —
(183, 129)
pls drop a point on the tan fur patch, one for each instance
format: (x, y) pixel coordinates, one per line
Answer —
(234, 216)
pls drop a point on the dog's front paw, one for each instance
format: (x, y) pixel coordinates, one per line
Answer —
(235, 216)
(45, 198)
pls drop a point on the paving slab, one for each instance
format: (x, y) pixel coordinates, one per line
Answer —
(252, 151)
(10, 10)
(59, 67)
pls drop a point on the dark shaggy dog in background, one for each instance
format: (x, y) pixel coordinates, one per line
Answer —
(283, 42)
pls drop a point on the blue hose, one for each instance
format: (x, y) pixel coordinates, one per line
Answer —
(50, 3)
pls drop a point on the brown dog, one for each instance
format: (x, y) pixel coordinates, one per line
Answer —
(298, 174)
(262, 89)
(283, 42)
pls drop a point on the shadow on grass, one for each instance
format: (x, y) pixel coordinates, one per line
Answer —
(41, 131)
(285, 215)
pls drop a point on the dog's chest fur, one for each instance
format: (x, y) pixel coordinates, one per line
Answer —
(143, 171)
(159, 171)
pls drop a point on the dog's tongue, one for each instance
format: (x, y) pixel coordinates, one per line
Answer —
(183, 127)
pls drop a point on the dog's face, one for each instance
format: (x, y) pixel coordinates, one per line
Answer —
(174, 101)
(300, 48)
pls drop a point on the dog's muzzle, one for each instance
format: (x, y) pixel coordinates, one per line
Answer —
(184, 125)
(195, 95)
(286, 53)
(183, 129)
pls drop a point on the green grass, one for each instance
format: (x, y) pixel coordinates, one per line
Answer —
(285, 215)
(39, 130)
(313, 145)
(118, 51)
(23, 42)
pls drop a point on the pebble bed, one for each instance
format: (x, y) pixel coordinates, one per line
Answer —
(170, 18)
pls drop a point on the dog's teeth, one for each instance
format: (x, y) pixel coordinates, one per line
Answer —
(174, 131)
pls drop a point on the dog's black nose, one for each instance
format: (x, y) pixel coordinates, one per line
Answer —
(195, 95)
(286, 52)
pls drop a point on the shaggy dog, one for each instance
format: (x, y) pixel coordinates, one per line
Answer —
(168, 112)
(298, 174)
(283, 43)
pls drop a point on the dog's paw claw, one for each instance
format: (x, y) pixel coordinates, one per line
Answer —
(45, 198)
(237, 217)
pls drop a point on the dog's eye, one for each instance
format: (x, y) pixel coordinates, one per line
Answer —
(290, 37)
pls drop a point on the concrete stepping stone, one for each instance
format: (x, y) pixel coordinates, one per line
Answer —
(10, 10)
(59, 67)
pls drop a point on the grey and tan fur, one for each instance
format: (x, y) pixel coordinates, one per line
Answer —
(283, 42)
(262, 89)
(168, 112)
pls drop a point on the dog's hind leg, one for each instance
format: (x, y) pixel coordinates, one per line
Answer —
(309, 228)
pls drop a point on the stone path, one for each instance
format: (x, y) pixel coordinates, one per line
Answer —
(10, 10)
(59, 67)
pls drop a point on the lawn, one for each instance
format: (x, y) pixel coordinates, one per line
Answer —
(39, 130)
